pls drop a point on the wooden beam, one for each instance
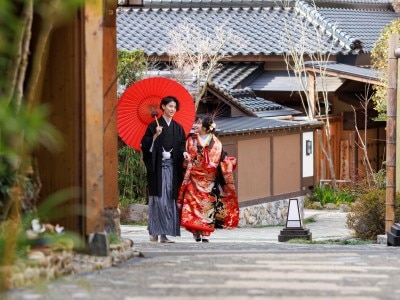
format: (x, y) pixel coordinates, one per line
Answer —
(93, 116)
(110, 103)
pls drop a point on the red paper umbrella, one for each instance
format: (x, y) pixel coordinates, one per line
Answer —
(140, 104)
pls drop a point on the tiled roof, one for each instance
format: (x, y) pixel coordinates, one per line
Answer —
(282, 81)
(260, 24)
(374, 3)
(260, 107)
(255, 3)
(366, 28)
(365, 73)
(230, 75)
(242, 125)
(261, 29)
(247, 101)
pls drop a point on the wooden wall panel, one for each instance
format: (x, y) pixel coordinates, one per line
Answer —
(286, 159)
(321, 163)
(254, 169)
(62, 84)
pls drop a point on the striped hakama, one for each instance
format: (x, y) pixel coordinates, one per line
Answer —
(163, 213)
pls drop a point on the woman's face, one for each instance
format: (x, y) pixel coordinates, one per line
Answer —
(169, 109)
(197, 126)
(200, 129)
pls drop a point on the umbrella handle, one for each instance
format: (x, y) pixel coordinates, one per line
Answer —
(155, 117)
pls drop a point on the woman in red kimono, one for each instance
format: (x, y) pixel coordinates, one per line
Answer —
(207, 197)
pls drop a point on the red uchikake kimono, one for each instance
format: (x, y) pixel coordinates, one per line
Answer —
(203, 208)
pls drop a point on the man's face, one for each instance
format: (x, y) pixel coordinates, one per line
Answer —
(169, 109)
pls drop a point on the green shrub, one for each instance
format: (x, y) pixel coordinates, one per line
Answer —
(132, 181)
(125, 202)
(367, 214)
(326, 194)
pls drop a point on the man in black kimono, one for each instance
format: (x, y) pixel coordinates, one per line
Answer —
(163, 146)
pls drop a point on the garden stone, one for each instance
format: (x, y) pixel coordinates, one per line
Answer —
(330, 206)
(135, 213)
(99, 244)
(344, 207)
(316, 205)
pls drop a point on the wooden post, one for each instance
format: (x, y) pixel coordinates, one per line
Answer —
(110, 101)
(391, 133)
(311, 94)
(93, 116)
(397, 54)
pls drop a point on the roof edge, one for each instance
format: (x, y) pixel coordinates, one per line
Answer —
(371, 4)
(203, 3)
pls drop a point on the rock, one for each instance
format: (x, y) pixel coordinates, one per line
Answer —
(135, 213)
(344, 207)
(316, 205)
(330, 206)
(99, 244)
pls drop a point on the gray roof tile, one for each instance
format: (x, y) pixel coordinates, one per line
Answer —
(260, 107)
(282, 81)
(365, 73)
(247, 101)
(364, 28)
(241, 125)
(259, 23)
(260, 29)
(230, 75)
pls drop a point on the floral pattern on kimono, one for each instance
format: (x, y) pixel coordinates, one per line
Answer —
(227, 210)
(197, 198)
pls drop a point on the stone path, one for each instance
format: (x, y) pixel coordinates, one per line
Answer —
(246, 263)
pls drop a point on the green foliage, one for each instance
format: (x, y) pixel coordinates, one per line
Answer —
(132, 180)
(131, 66)
(24, 127)
(10, 28)
(367, 215)
(309, 220)
(7, 178)
(330, 242)
(137, 223)
(17, 231)
(379, 58)
(114, 238)
(21, 132)
(326, 194)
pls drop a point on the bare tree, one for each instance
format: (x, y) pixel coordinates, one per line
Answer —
(371, 175)
(295, 61)
(196, 52)
(396, 5)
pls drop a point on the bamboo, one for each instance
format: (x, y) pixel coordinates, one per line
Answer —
(391, 133)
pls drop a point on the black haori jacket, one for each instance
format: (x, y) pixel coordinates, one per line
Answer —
(153, 160)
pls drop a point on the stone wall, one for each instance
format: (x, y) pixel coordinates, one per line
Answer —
(267, 214)
(46, 264)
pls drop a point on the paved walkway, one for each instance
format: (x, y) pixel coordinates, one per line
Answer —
(242, 264)
(327, 225)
